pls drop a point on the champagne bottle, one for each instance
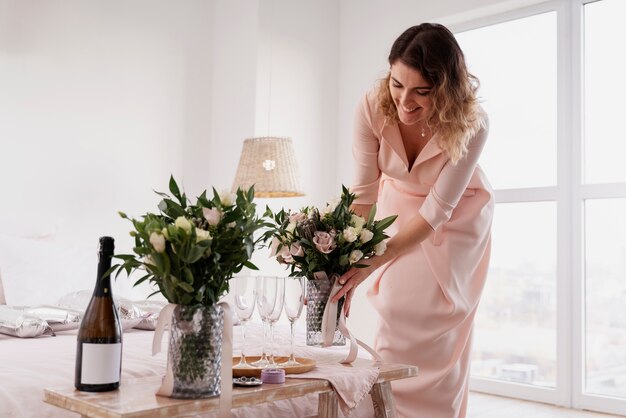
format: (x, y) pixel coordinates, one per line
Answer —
(99, 345)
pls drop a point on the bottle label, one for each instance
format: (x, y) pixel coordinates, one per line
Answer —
(101, 363)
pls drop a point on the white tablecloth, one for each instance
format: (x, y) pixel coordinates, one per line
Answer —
(27, 366)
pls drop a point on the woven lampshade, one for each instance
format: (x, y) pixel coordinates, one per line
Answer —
(269, 164)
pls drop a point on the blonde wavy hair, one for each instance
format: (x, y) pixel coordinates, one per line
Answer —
(456, 115)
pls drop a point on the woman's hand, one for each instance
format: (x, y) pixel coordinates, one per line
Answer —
(350, 280)
(411, 235)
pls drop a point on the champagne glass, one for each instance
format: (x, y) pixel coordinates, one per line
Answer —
(270, 299)
(244, 293)
(294, 301)
(263, 361)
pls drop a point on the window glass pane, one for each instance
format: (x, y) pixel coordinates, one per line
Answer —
(605, 289)
(515, 330)
(605, 89)
(515, 62)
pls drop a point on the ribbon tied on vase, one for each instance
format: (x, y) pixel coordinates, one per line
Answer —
(329, 322)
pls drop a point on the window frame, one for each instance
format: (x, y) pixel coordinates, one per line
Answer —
(569, 194)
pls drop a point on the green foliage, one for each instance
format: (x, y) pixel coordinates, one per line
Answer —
(332, 240)
(191, 251)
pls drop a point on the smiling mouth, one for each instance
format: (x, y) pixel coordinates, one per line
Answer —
(408, 110)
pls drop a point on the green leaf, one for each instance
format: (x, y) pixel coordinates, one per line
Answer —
(186, 287)
(142, 279)
(124, 257)
(203, 201)
(372, 215)
(172, 209)
(384, 223)
(188, 275)
(250, 265)
(216, 197)
(174, 188)
(195, 254)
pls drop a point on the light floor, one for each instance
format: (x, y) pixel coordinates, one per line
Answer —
(490, 406)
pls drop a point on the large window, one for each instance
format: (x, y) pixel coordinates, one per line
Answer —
(550, 324)
(517, 71)
(515, 335)
(519, 306)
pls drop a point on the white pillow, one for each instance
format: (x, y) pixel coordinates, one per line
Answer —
(36, 272)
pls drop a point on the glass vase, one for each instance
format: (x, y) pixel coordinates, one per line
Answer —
(317, 294)
(195, 351)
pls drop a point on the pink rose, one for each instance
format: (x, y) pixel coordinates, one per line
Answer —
(297, 217)
(213, 215)
(297, 250)
(284, 256)
(274, 247)
(324, 242)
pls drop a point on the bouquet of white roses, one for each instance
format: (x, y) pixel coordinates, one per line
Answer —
(190, 251)
(331, 240)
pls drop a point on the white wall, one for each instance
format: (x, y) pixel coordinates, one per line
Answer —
(99, 102)
(297, 96)
(298, 88)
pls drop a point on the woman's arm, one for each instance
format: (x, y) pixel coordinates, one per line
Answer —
(365, 148)
(410, 236)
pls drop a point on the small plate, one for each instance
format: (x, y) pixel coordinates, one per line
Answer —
(306, 365)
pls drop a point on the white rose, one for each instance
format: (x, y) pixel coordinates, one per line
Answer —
(330, 207)
(231, 224)
(213, 215)
(158, 242)
(227, 198)
(291, 227)
(202, 235)
(165, 233)
(366, 235)
(357, 221)
(380, 248)
(355, 256)
(183, 223)
(350, 234)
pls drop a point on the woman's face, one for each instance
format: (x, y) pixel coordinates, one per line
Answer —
(410, 93)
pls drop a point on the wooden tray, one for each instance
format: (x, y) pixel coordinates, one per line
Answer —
(307, 364)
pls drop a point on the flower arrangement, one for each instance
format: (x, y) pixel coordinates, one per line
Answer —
(332, 240)
(190, 251)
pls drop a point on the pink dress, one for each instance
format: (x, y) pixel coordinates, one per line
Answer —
(426, 300)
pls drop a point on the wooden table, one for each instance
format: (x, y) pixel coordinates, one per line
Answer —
(136, 398)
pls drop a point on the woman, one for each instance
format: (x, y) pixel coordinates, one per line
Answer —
(418, 137)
